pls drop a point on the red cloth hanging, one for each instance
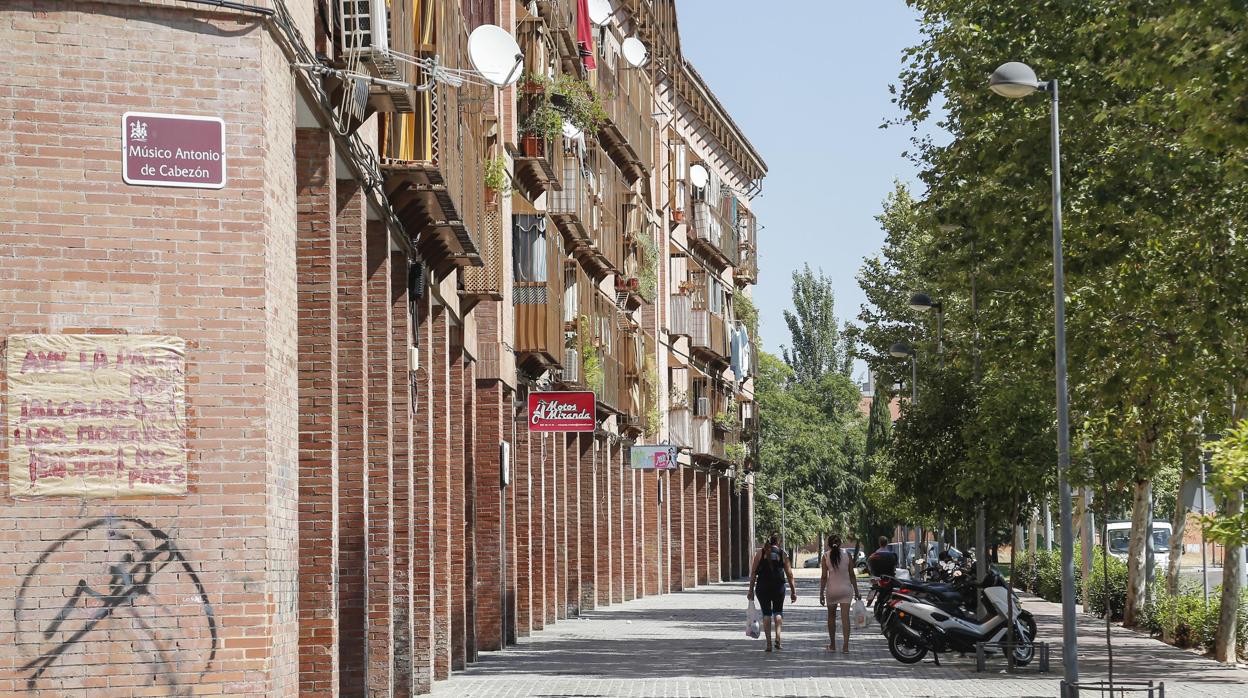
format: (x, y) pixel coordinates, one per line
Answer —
(585, 34)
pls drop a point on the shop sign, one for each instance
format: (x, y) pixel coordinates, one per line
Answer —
(562, 411)
(168, 150)
(96, 415)
(654, 457)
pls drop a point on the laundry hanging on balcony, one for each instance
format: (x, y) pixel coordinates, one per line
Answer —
(585, 34)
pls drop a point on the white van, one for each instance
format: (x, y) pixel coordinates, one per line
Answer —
(1119, 533)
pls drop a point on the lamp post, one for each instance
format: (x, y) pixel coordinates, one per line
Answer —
(783, 540)
(923, 303)
(1016, 80)
(901, 350)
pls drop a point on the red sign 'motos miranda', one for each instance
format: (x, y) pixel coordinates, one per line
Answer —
(562, 411)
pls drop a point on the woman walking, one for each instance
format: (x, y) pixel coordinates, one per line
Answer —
(837, 586)
(767, 574)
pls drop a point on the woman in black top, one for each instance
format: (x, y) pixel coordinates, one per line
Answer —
(768, 572)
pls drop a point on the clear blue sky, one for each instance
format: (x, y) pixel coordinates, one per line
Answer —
(807, 80)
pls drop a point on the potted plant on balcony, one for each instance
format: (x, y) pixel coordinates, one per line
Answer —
(495, 180)
(577, 100)
(538, 127)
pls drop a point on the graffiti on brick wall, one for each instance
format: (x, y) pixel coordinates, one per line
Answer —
(115, 597)
(96, 415)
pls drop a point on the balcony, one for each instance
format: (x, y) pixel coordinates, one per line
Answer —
(709, 335)
(680, 426)
(538, 293)
(433, 158)
(486, 281)
(560, 17)
(680, 315)
(572, 206)
(714, 233)
(746, 270)
(627, 136)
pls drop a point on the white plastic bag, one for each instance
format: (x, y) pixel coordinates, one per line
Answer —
(753, 621)
(858, 614)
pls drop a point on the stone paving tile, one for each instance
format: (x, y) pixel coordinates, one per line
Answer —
(693, 644)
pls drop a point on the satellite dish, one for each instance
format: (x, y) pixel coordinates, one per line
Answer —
(600, 11)
(634, 52)
(495, 54)
(698, 176)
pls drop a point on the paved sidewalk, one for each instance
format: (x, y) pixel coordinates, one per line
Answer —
(693, 644)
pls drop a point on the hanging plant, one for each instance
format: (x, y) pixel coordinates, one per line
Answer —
(648, 272)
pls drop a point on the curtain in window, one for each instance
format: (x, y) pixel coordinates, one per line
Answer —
(529, 247)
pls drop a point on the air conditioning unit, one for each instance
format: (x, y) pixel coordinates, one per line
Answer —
(702, 408)
(364, 28)
(571, 366)
(364, 33)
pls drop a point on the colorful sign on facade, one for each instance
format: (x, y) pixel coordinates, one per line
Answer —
(168, 150)
(562, 411)
(654, 457)
(96, 415)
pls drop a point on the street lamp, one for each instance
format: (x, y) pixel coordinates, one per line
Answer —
(901, 350)
(923, 303)
(783, 541)
(1016, 80)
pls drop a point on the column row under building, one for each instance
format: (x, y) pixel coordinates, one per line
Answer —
(424, 260)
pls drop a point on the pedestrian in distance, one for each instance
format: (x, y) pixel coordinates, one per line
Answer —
(768, 573)
(838, 585)
(882, 562)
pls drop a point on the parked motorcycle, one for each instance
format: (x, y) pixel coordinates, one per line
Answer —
(917, 623)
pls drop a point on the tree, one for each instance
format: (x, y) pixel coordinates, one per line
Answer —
(879, 421)
(1228, 480)
(817, 345)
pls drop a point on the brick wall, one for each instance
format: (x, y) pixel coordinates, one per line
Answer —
(380, 467)
(318, 414)
(352, 436)
(439, 548)
(423, 575)
(586, 505)
(82, 251)
(526, 557)
(602, 514)
(401, 484)
(692, 541)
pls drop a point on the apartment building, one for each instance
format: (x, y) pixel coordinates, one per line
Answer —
(277, 283)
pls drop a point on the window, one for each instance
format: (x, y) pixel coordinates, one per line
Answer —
(528, 236)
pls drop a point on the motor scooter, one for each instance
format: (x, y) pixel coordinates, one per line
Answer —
(915, 625)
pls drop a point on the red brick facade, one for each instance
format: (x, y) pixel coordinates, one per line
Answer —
(346, 529)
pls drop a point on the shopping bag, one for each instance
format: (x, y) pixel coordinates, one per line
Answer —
(858, 613)
(753, 620)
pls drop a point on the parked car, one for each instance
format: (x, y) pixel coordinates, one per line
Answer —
(859, 559)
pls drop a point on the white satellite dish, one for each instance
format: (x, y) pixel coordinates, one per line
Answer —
(698, 176)
(634, 52)
(600, 11)
(495, 54)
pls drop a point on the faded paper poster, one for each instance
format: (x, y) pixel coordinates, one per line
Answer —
(96, 415)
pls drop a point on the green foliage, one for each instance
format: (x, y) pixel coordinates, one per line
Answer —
(1115, 600)
(745, 310)
(1042, 575)
(1188, 621)
(879, 421)
(563, 97)
(648, 272)
(735, 452)
(817, 344)
(496, 175)
(1227, 479)
(591, 358)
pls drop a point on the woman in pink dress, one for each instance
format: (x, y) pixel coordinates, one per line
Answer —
(837, 587)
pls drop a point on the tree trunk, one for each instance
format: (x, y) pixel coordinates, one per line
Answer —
(1224, 641)
(1086, 541)
(1177, 526)
(1031, 535)
(1137, 572)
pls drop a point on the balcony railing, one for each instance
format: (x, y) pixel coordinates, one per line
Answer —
(538, 298)
(486, 281)
(709, 333)
(433, 157)
(680, 320)
(627, 135)
(716, 234)
(572, 207)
